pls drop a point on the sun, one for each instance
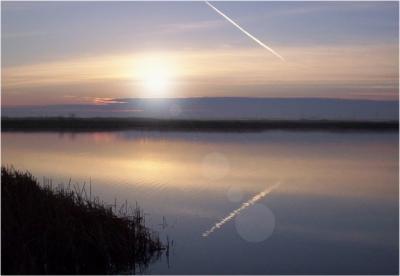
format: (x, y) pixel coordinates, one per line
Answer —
(155, 76)
(156, 79)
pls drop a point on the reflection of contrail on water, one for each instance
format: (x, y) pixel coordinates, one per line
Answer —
(237, 211)
(245, 32)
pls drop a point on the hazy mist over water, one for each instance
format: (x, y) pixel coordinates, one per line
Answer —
(221, 108)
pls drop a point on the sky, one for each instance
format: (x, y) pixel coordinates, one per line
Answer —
(84, 52)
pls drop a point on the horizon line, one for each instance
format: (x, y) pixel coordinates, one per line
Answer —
(105, 99)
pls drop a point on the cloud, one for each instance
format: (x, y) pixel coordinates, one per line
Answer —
(192, 26)
(360, 71)
(13, 35)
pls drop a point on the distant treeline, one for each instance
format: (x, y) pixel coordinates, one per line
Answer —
(71, 124)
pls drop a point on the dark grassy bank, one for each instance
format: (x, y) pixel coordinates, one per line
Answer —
(49, 231)
(64, 124)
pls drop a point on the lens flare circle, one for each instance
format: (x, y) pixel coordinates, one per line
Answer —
(255, 224)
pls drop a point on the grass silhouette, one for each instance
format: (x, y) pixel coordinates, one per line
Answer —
(63, 231)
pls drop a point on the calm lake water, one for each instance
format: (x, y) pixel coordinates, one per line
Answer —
(244, 203)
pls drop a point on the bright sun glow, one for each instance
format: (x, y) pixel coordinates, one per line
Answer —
(156, 76)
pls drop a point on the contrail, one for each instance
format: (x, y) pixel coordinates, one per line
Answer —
(245, 32)
(237, 211)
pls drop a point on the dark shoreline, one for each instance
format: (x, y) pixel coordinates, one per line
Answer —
(70, 124)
